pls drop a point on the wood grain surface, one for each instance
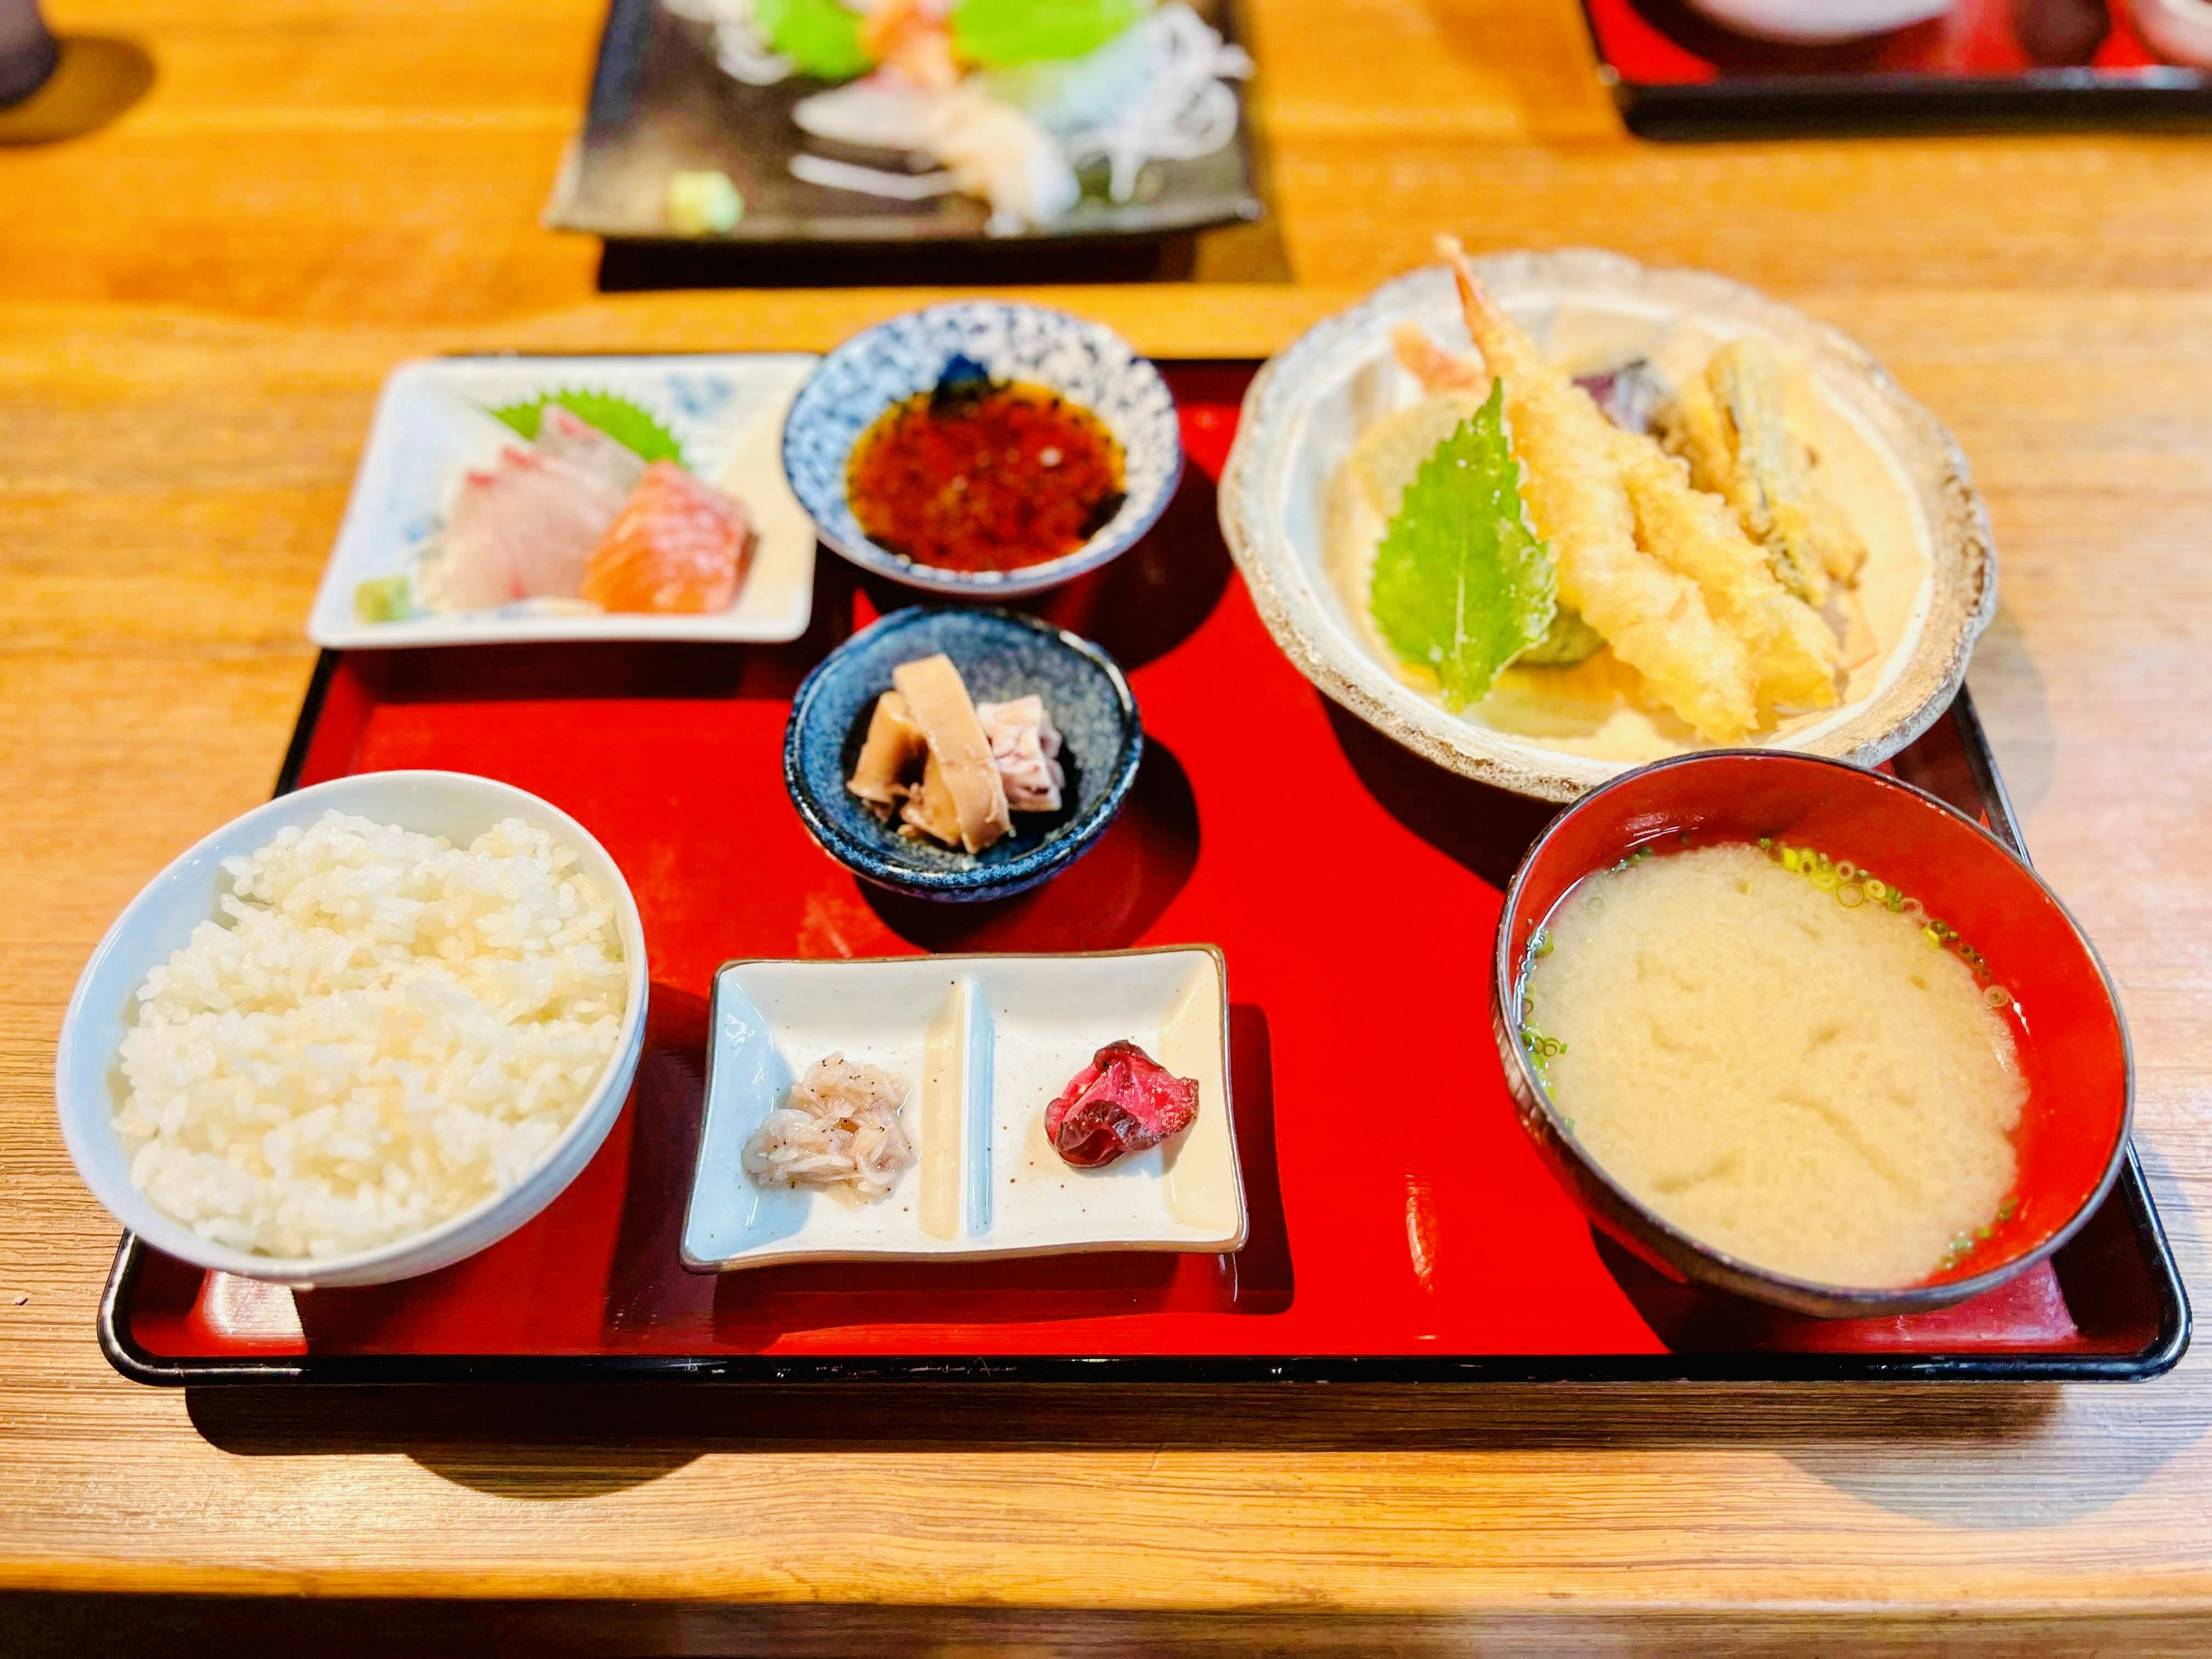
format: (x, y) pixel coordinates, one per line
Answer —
(196, 305)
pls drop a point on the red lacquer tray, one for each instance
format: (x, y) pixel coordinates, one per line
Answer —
(1669, 67)
(1354, 889)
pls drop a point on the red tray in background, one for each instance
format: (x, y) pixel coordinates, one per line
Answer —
(1354, 889)
(1674, 71)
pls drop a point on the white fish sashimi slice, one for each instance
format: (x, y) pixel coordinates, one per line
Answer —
(523, 528)
(875, 113)
(991, 148)
(566, 437)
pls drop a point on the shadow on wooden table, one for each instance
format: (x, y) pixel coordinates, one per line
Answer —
(1234, 254)
(552, 1443)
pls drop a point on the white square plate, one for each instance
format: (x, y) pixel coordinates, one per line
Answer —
(986, 1042)
(434, 422)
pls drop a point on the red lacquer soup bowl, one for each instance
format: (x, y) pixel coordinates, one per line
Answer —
(2073, 1044)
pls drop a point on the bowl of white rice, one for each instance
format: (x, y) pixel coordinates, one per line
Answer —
(358, 1034)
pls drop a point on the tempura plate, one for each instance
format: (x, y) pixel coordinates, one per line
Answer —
(1909, 497)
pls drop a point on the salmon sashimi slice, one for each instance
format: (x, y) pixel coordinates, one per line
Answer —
(679, 545)
(523, 528)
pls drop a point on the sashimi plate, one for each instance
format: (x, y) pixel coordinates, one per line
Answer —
(985, 1043)
(434, 422)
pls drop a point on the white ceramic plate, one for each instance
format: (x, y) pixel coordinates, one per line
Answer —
(87, 1076)
(1931, 572)
(431, 424)
(986, 1043)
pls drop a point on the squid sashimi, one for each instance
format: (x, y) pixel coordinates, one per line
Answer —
(678, 545)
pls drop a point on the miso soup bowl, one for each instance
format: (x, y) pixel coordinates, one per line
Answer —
(2072, 1136)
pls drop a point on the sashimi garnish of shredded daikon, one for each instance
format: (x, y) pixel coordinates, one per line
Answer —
(1184, 111)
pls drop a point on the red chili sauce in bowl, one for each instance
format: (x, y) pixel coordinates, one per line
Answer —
(982, 475)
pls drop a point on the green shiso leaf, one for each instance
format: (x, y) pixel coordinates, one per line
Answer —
(821, 37)
(633, 427)
(1000, 33)
(1461, 585)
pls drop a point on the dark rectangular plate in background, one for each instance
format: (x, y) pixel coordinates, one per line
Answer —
(1675, 72)
(1346, 951)
(661, 104)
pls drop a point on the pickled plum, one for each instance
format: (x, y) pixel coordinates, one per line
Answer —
(1124, 1101)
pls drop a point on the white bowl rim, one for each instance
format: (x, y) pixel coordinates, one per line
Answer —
(162, 1232)
(1104, 547)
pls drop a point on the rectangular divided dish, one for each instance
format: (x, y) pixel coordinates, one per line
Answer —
(1352, 890)
(987, 1041)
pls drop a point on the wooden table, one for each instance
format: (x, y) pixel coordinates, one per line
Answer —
(195, 307)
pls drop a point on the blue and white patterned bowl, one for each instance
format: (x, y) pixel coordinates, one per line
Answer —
(1001, 656)
(1086, 363)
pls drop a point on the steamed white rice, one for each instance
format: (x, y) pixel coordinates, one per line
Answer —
(390, 1030)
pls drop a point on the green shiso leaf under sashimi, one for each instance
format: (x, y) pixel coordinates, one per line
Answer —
(1461, 585)
(632, 427)
(1000, 34)
(821, 37)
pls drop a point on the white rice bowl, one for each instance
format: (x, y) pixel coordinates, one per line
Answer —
(391, 1031)
(319, 1048)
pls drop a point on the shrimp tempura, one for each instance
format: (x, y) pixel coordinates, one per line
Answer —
(1440, 372)
(1792, 649)
(1655, 619)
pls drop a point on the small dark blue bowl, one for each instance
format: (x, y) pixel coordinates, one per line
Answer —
(1001, 656)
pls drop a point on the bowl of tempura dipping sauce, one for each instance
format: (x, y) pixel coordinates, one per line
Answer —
(1804, 1033)
(983, 450)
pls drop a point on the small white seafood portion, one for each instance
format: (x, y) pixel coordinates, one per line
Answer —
(1026, 745)
(990, 148)
(883, 112)
(994, 151)
(841, 1126)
